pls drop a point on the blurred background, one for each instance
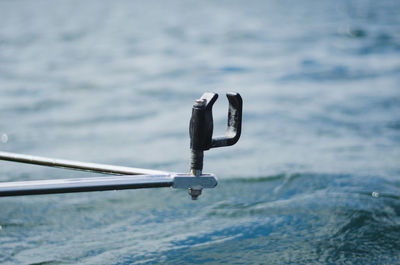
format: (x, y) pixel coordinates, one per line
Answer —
(313, 179)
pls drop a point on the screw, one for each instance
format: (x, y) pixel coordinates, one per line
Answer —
(194, 193)
(200, 102)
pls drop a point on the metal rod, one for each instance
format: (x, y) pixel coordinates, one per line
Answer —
(93, 167)
(37, 187)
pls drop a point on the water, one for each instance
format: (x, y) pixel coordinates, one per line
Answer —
(314, 178)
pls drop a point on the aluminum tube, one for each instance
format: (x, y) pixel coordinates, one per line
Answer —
(93, 167)
(37, 187)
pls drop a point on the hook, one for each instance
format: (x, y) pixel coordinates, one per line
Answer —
(234, 128)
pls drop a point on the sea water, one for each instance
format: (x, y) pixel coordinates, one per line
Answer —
(315, 177)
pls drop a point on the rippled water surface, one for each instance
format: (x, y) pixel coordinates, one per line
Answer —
(315, 177)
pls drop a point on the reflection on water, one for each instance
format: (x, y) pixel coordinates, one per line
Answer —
(314, 178)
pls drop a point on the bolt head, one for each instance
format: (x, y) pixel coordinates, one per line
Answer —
(194, 193)
(200, 102)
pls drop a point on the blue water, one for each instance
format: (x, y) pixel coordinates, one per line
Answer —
(315, 177)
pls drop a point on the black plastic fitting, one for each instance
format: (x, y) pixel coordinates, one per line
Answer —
(201, 126)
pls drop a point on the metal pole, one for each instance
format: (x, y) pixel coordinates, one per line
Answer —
(133, 178)
(93, 167)
(37, 187)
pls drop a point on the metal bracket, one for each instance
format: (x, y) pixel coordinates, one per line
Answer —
(186, 181)
(194, 184)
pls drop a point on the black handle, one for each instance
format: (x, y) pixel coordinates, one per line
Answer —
(201, 126)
